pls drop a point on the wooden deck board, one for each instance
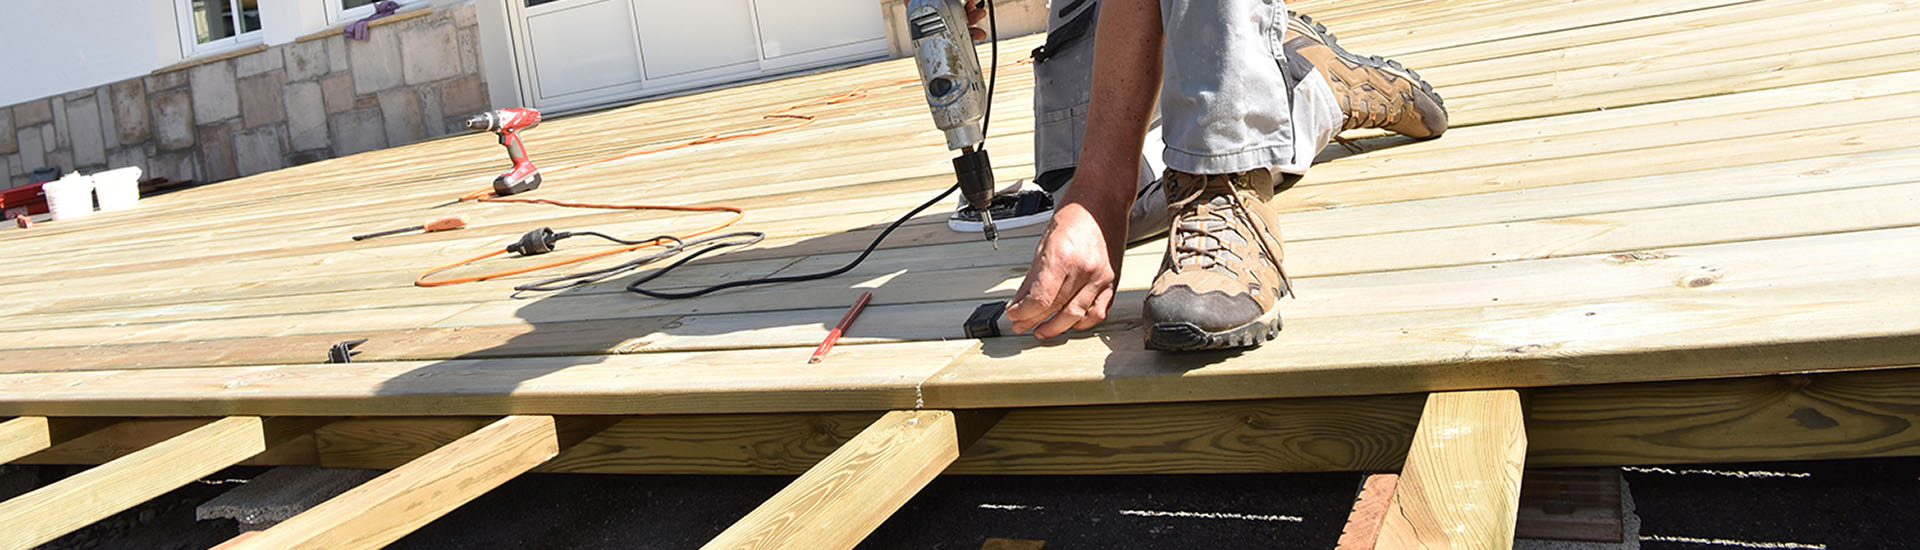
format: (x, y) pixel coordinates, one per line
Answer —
(1606, 157)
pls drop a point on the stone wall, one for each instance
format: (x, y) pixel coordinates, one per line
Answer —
(320, 97)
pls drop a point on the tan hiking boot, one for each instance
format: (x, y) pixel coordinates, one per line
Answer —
(1374, 92)
(1221, 274)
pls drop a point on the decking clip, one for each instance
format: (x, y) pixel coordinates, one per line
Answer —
(343, 352)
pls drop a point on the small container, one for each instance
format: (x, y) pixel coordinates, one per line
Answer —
(69, 197)
(117, 189)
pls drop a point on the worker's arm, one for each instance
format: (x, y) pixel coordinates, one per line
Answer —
(1075, 271)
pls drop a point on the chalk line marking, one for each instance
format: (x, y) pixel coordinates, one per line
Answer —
(1211, 515)
(1736, 543)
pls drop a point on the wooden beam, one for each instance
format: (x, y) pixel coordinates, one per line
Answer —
(1461, 485)
(26, 435)
(388, 507)
(848, 495)
(1769, 418)
(48, 512)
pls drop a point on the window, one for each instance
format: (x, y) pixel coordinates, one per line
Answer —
(213, 25)
(341, 11)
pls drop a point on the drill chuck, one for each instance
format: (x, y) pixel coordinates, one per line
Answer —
(976, 178)
(975, 171)
(482, 122)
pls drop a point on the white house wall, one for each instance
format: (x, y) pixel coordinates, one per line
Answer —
(56, 47)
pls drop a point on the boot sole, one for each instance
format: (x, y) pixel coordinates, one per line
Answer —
(1188, 337)
(1320, 34)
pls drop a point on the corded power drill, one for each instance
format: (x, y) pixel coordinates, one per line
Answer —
(523, 177)
(950, 73)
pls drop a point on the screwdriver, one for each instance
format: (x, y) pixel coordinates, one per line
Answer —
(442, 224)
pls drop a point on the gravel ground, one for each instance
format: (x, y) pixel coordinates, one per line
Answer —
(1838, 505)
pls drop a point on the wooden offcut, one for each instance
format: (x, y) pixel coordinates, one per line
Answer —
(1461, 485)
(48, 512)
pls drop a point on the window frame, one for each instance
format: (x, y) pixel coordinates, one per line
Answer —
(190, 45)
(336, 15)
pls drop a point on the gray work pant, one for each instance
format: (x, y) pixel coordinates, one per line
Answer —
(1227, 103)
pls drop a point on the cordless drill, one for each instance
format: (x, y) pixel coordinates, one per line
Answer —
(950, 72)
(523, 177)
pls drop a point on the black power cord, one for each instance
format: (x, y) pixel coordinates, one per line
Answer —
(748, 238)
(678, 246)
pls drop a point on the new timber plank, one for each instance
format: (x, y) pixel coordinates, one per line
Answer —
(838, 502)
(48, 512)
(1461, 485)
(388, 507)
(770, 380)
(1720, 325)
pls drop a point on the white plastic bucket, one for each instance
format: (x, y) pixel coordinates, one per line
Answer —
(118, 189)
(69, 197)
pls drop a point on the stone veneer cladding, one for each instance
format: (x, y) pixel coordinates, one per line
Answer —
(289, 104)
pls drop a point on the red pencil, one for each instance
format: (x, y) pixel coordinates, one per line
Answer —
(820, 353)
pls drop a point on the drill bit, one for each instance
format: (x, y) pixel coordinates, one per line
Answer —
(987, 229)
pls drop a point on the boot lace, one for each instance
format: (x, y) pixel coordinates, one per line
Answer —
(1197, 238)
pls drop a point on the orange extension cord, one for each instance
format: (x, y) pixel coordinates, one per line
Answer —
(486, 195)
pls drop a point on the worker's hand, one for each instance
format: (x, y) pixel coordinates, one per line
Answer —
(975, 13)
(1074, 274)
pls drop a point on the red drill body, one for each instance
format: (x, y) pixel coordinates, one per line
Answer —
(523, 177)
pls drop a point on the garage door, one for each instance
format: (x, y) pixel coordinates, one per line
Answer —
(580, 53)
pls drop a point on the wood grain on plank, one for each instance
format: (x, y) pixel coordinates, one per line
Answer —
(48, 512)
(1460, 487)
(868, 377)
(845, 497)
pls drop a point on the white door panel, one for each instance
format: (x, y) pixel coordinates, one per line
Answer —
(798, 27)
(583, 47)
(680, 38)
(582, 53)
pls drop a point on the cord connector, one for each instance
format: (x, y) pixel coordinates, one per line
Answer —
(537, 242)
